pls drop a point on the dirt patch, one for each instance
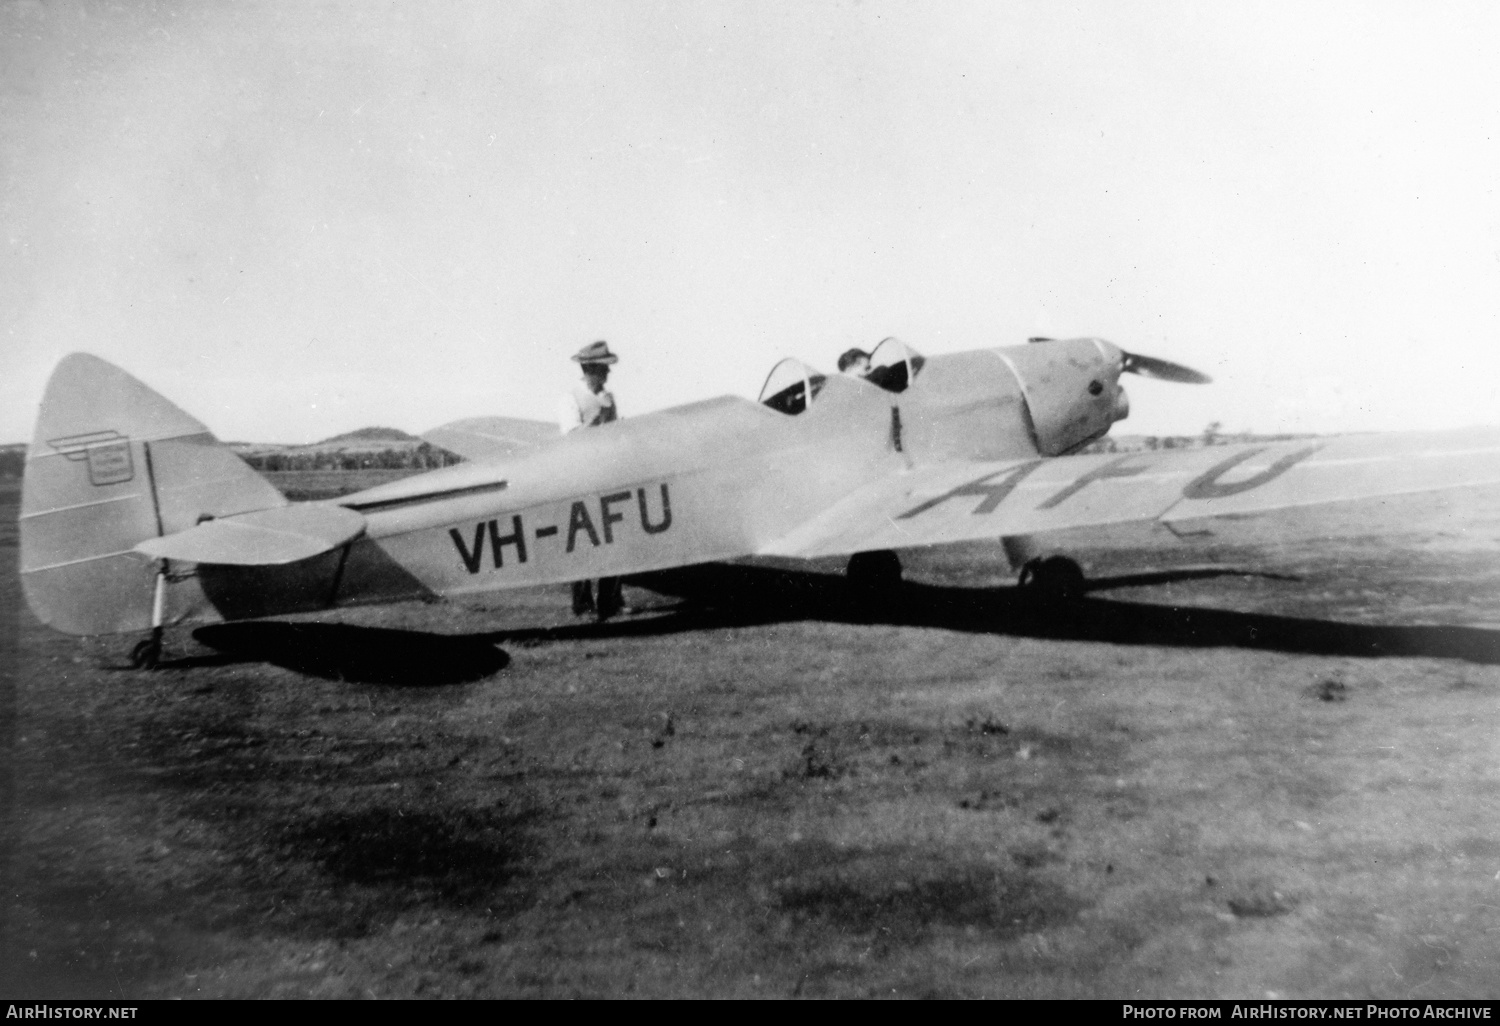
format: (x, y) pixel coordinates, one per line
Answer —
(1258, 900)
(906, 910)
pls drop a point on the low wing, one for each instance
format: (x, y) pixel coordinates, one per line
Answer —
(486, 438)
(267, 537)
(953, 502)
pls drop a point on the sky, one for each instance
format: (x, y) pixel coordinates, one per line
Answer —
(296, 219)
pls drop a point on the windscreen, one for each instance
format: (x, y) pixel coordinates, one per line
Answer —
(791, 386)
(894, 365)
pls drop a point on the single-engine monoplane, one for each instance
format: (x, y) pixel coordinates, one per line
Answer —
(135, 518)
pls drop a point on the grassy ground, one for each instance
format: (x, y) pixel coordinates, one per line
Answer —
(1198, 783)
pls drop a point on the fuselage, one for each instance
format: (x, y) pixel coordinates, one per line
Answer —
(718, 479)
(713, 480)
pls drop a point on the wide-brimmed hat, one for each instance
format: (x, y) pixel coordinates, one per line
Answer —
(596, 352)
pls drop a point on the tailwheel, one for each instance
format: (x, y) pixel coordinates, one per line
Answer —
(146, 655)
(1053, 579)
(873, 574)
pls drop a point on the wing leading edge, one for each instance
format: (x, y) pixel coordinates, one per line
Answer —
(953, 502)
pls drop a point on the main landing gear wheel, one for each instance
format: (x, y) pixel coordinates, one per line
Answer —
(146, 655)
(1055, 579)
(873, 574)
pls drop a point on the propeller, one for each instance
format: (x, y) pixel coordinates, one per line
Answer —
(1162, 370)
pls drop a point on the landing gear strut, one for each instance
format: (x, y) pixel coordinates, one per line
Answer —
(1055, 579)
(146, 655)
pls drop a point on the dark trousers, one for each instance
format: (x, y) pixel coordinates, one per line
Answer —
(604, 604)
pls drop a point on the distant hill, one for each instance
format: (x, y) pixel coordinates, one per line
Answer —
(371, 434)
(370, 448)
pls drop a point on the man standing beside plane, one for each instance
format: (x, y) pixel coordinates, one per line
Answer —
(589, 404)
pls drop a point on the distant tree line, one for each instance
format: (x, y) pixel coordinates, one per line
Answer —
(417, 457)
(1213, 434)
(412, 457)
(1154, 442)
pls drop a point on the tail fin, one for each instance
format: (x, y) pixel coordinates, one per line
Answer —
(111, 464)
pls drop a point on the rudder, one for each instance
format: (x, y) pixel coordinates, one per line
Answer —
(111, 464)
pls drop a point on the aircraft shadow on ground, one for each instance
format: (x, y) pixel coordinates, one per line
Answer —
(360, 655)
(735, 595)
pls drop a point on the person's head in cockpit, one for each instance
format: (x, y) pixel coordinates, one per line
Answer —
(855, 362)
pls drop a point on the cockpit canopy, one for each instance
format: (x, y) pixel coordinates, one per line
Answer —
(894, 365)
(791, 386)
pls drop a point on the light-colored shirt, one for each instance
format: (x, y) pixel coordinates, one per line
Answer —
(583, 408)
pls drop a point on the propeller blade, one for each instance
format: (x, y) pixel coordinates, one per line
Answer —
(1162, 370)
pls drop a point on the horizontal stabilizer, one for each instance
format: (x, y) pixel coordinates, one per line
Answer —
(266, 537)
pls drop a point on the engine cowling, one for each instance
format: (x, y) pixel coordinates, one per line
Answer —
(1071, 388)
